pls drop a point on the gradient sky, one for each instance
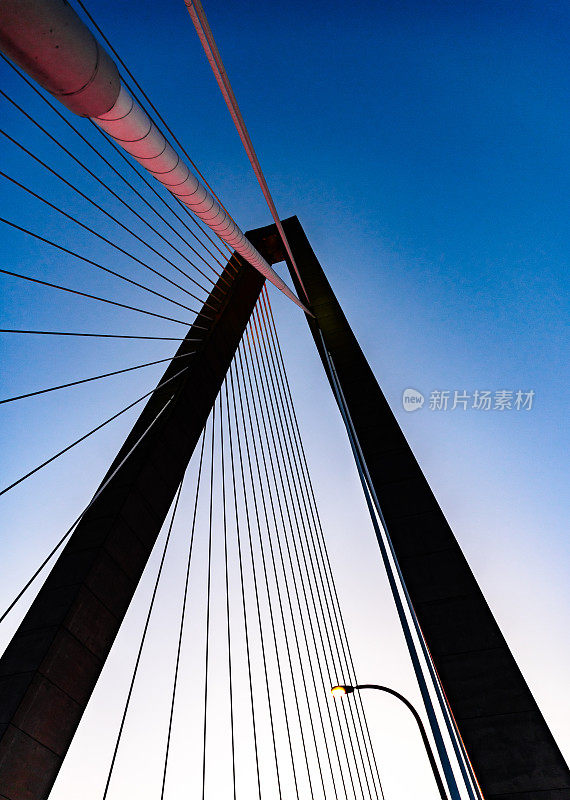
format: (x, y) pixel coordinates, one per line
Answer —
(424, 148)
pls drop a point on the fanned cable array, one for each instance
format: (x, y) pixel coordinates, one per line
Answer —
(101, 259)
(257, 631)
(254, 622)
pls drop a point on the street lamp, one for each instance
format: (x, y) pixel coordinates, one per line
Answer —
(339, 691)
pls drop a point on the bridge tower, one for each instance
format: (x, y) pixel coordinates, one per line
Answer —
(50, 669)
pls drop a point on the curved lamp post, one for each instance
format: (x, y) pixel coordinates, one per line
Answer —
(342, 690)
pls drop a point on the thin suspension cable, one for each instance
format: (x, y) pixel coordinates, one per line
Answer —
(90, 230)
(151, 104)
(317, 541)
(107, 214)
(227, 588)
(208, 592)
(305, 543)
(198, 16)
(99, 180)
(233, 367)
(288, 450)
(182, 618)
(56, 110)
(277, 424)
(319, 651)
(99, 335)
(95, 264)
(271, 448)
(100, 299)
(74, 524)
(141, 645)
(248, 432)
(95, 378)
(259, 473)
(90, 433)
(264, 403)
(305, 469)
(242, 588)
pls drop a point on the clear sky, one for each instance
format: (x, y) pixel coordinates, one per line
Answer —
(424, 148)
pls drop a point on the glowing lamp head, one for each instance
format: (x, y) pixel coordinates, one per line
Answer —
(339, 691)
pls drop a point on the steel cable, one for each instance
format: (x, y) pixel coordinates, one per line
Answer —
(99, 335)
(277, 425)
(242, 587)
(321, 554)
(279, 486)
(182, 619)
(264, 403)
(141, 645)
(100, 299)
(248, 435)
(227, 592)
(208, 42)
(252, 428)
(90, 433)
(74, 524)
(208, 595)
(251, 552)
(280, 424)
(96, 264)
(94, 378)
(107, 214)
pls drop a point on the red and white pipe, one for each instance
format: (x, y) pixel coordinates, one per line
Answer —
(48, 40)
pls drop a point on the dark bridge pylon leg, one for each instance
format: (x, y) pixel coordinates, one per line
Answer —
(512, 750)
(50, 668)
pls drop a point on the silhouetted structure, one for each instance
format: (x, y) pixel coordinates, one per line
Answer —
(52, 665)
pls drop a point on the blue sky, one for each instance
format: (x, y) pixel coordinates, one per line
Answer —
(424, 147)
